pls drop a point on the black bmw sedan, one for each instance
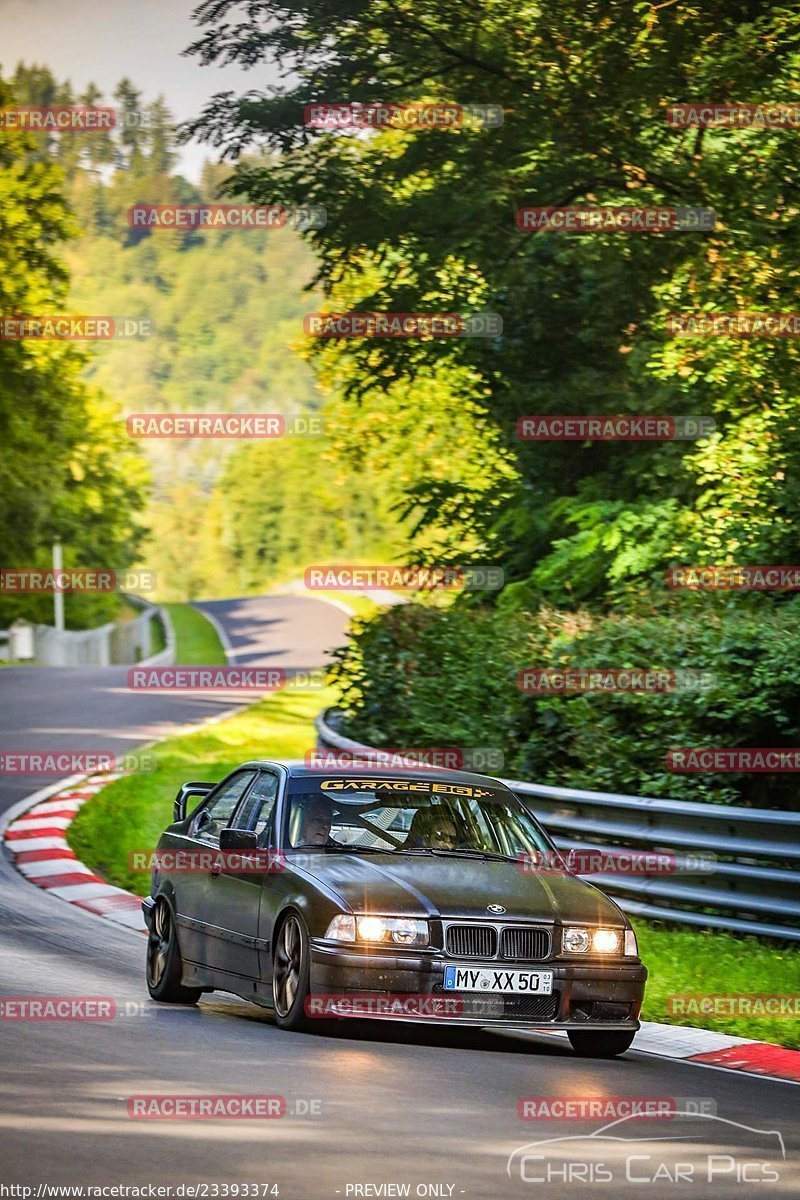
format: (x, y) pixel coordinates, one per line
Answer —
(429, 895)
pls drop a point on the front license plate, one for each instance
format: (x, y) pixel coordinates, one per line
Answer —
(495, 979)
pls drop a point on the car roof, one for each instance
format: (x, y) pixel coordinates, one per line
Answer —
(298, 769)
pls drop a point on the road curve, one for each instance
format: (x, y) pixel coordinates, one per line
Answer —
(293, 632)
(91, 708)
(371, 1105)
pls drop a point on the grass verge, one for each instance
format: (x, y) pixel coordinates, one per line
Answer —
(131, 813)
(360, 606)
(158, 636)
(697, 962)
(197, 643)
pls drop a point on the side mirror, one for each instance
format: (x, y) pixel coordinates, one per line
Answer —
(238, 839)
(187, 790)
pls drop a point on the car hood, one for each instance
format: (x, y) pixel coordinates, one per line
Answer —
(449, 887)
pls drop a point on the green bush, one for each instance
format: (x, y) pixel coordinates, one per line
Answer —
(421, 676)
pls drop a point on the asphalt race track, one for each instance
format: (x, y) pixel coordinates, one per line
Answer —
(368, 1107)
(294, 632)
(91, 708)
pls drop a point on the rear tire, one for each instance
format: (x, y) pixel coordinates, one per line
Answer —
(599, 1043)
(291, 961)
(164, 962)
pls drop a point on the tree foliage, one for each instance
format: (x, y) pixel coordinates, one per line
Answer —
(67, 471)
(423, 220)
(421, 676)
(226, 309)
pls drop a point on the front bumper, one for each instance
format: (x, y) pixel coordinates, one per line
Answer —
(586, 995)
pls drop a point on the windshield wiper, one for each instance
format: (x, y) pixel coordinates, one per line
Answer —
(339, 850)
(440, 852)
(360, 849)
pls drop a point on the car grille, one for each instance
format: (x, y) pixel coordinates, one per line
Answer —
(472, 941)
(494, 1007)
(525, 945)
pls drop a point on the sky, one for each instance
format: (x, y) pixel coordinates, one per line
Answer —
(101, 41)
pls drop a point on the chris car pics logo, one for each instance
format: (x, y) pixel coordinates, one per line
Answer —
(699, 1148)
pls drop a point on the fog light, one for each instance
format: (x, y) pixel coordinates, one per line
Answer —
(605, 941)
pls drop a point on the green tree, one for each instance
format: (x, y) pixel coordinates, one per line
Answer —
(133, 134)
(423, 220)
(160, 137)
(66, 469)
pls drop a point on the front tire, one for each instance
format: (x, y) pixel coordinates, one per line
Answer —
(164, 962)
(598, 1043)
(291, 959)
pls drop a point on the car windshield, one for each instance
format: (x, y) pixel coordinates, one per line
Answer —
(411, 816)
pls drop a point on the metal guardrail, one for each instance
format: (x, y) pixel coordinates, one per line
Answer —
(150, 613)
(752, 884)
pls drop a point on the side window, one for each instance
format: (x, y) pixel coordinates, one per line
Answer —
(257, 810)
(216, 815)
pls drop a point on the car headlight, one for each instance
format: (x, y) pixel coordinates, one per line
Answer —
(605, 941)
(399, 931)
(577, 940)
(403, 931)
(342, 928)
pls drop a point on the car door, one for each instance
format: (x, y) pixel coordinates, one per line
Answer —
(201, 933)
(277, 884)
(236, 890)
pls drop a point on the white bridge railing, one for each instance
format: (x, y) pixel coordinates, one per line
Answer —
(118, 642)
